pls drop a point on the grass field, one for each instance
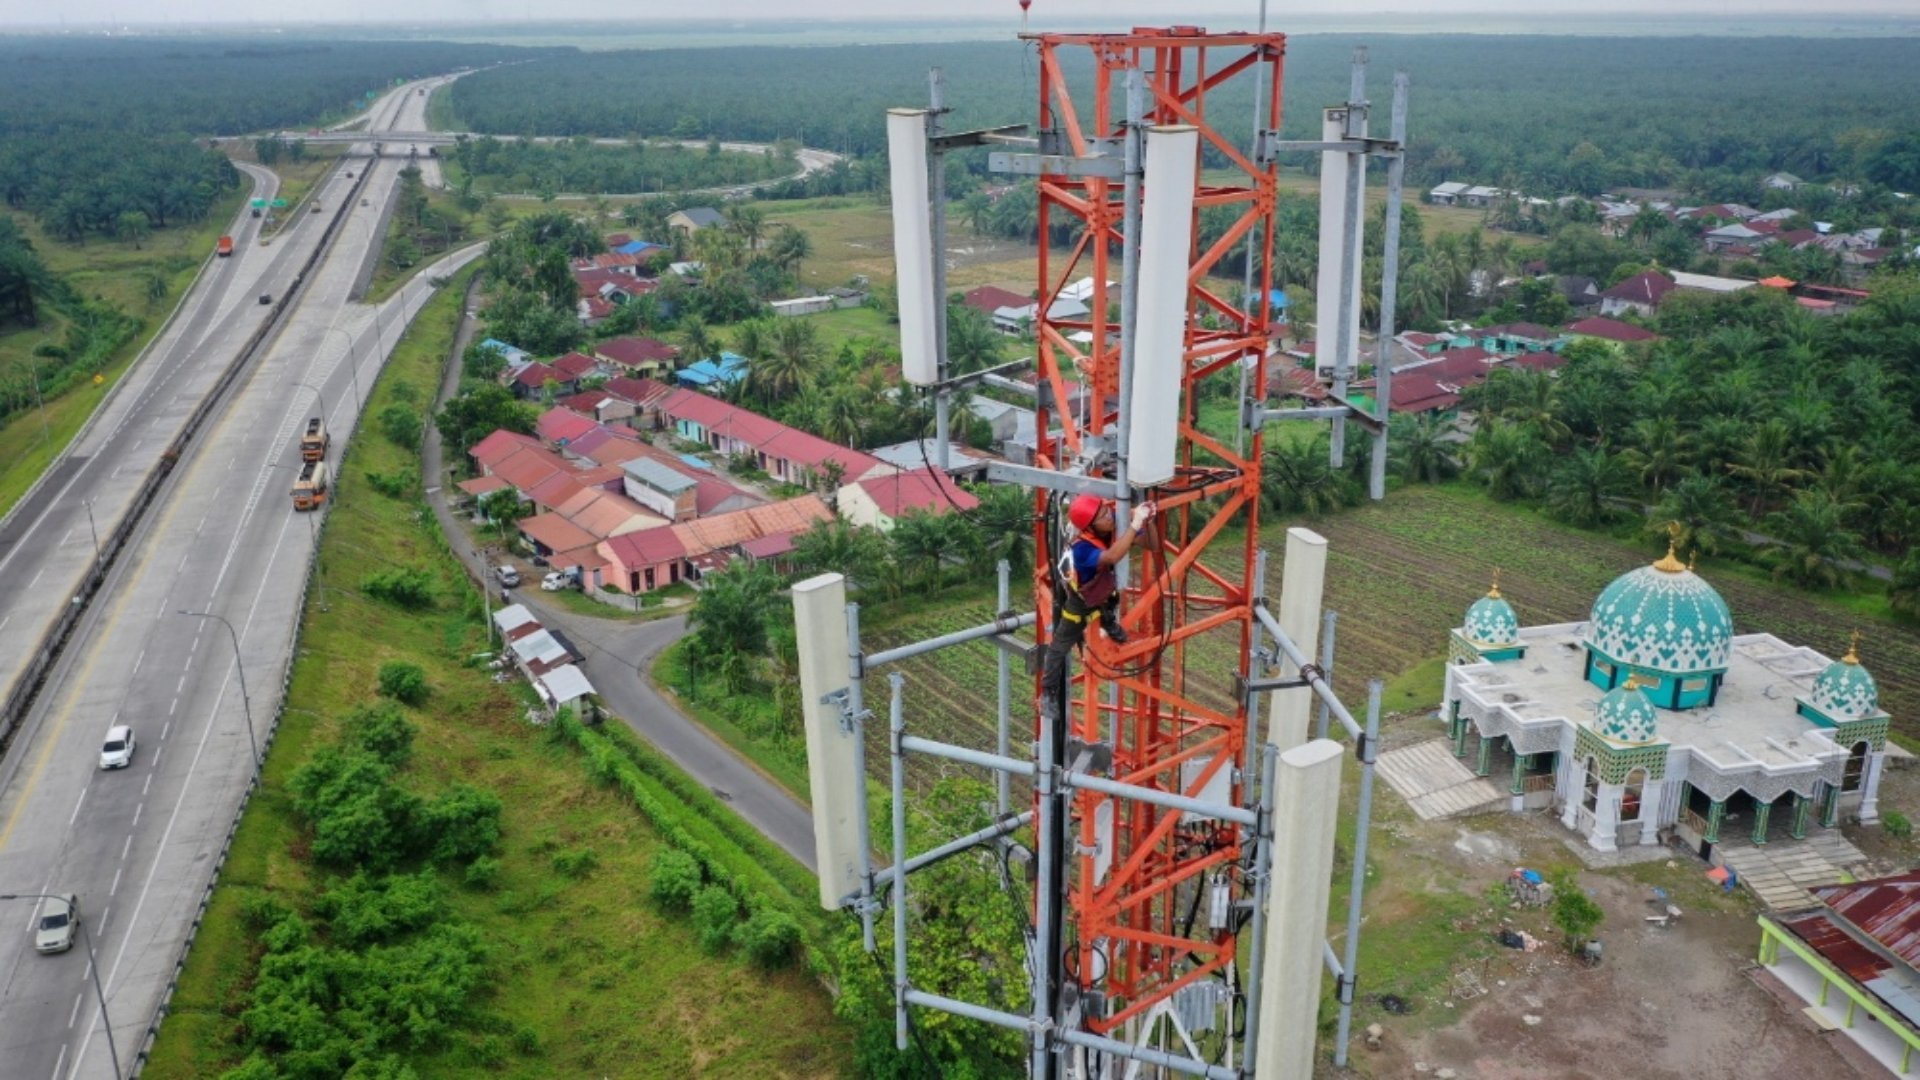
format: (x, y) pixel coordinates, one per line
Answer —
(122, 275)
(588, 978)
(853, 235)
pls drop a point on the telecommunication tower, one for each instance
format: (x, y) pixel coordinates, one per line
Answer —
(1163, 827)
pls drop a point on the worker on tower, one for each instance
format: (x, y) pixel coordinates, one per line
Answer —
(1090, 591)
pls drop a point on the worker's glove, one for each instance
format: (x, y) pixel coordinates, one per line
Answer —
(1141, 514)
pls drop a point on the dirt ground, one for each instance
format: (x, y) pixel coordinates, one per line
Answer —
(1665, 1004)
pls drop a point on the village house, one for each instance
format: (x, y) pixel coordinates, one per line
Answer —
(650, 559)
(784, 453)
(1850, 954)
(1640, 294)
(879, 502)
(1612, 330)
(693, 219)
(638, 356)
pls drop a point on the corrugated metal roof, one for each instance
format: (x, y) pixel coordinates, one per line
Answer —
(657, 476)
(1885, 909)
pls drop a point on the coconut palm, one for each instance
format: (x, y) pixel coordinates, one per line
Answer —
(789, 248)
(1299, 478)
(696, 340)
(1005, 518)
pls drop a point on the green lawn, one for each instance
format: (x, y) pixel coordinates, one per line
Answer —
(588, 977)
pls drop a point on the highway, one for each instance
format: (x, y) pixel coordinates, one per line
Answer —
(139, 845)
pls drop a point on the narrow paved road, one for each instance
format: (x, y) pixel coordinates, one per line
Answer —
(619, 652)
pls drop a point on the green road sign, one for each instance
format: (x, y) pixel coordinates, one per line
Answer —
(258, 203)
(280, 204)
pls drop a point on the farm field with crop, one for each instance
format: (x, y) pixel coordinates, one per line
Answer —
(1401, 574)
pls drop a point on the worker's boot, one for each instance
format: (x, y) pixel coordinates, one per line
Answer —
(1110, 622)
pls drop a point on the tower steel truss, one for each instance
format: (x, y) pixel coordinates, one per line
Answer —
(1133, 932)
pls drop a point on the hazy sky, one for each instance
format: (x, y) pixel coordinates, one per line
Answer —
(1049, 12)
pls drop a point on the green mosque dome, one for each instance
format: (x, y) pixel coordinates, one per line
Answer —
(1662, 618)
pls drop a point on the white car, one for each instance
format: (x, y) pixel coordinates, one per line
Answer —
(509, 577)
(556, 581)
(58, 916)
(117, 751)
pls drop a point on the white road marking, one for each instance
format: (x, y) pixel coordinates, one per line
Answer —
(64, 539)
(116, 883)
(5, 621)
(36, 579)
(59, 1061)
(138, 660)
(126, 847)
(181, 685)
(77, 802)
(146, 786)
(75, 1014)
(168, 726)
(136, 817)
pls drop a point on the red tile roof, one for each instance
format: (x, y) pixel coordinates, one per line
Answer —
(1539, 361)
(528, 466)
(768, 436)
(533, 376)
(557, 488)
(499, 446)
(1642, 288)
(605, 445)
(1415, 392)
(1286, 380)
(574, 365)
(619, 239)
(648, 547)
(988, 299)
(925, 490)
(597, 308)
(1457, 367)
(635, 351)
(1527, 330)
(586, 402)
(481, 485)
(1611, 329)
(1796, 237)
(558, 424)
(637, 391)
(554, 532)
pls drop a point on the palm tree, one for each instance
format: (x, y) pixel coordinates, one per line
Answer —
(753, 339)
(780, 374)
(1531, 400)
(1587, 486)
(842, 416)
(1299, 478)
(1427, 448)
(1005, 518)
(790, 247)
(1765, 463)
(748, 221)
(976, 210)
(1704, 511)
(1903, 595)
(1813, 541)
(1507, 458)
(1659, 452)
(696, 341)
(925, 541)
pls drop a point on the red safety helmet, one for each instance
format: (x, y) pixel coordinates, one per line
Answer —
(1084, 509)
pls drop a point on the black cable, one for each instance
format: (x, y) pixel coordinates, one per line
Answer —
(912, 1028)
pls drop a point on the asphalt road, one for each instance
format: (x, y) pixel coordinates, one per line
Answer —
(139, 845)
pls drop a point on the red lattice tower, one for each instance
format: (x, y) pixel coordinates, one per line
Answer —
(1126, 933)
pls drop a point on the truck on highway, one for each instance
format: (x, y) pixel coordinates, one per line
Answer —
(224, 248)
(314, 442)
(310, 488)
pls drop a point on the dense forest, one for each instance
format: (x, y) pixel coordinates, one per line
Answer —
(95, 135)
(582, 166)
(1551, 114)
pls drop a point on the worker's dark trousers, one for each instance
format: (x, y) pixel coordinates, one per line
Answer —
(1068, 633)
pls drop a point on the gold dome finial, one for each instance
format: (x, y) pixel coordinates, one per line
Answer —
(1670, 563)
(1853, 650)
(1633, 681)
(1494, 593)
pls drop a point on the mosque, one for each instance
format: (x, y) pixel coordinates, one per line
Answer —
(1652, 719)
